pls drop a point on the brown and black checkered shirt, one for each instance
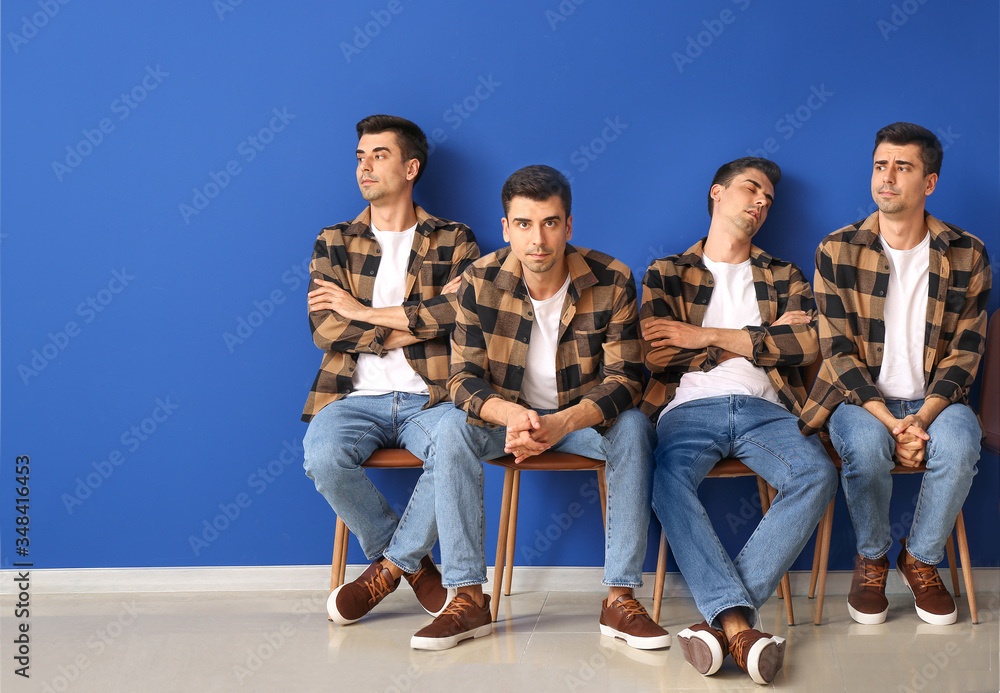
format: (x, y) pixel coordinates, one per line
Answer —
(598, 354)
(679, 287)
(852, 276)
(348, 255)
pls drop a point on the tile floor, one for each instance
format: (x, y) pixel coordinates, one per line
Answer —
(544, 641)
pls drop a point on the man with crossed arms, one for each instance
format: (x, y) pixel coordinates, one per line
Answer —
(381, 306)
(725, 328)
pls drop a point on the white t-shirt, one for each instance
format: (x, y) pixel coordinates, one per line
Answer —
(379, 375)
(733, 306)
(902, 373)
(538, 388)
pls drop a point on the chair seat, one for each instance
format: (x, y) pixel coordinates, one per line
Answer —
(392, 458)
(549, 461)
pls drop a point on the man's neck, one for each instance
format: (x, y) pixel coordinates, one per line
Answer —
(394, 216)
(545, 286)
(729, 247)
(903, 231)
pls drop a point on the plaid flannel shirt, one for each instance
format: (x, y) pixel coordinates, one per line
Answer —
(679, 287)
(852, 275)
(348, 255)
(597, 357)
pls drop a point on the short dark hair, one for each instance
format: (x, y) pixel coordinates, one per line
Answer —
(724, 176)
(931, 151)
(537, 183)
(411, 139)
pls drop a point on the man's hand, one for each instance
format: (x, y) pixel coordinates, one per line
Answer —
(911, 440)
(793, 317)
(452, 286)
(521, 424)
(329, 296)
(661, 332)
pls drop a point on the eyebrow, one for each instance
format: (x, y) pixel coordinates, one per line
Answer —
(555, 217)
(759, 187)
(376, 149)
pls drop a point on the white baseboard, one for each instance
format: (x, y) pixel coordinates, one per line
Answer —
(317, 577)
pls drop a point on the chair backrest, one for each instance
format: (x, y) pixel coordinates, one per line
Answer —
(989, 398)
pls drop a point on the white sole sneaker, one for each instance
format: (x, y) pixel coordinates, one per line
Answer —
(701, 650)
(867, 619)
(927, 616)
(331, 609)
(635, 641)
(436, 644)
(765, 659)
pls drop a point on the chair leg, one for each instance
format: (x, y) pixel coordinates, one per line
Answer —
(815, 569)
(602, 487)
(949, 548)
(785, 584)
(963, 551)
(512, 534)
(498, 566)
(661, 575)
(337, 548)
(343, 553)
(823, 540)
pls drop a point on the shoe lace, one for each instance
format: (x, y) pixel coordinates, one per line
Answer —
(927, 576)
(377, 587)
(874, 575)
(631, 607)
(738, 647)
(416, 577)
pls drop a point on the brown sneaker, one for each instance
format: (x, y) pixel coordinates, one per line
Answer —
(934, 603)
(462, 619)
(866, 601)
(352, 600)
(627, 620)
(758, 654)
(704, 647)
(426, 584)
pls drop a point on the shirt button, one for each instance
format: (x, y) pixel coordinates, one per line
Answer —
(530, 315)
(881, 293)
(710, 282)
(878, 348)
(371, 272)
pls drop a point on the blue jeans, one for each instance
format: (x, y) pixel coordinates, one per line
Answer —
(626, 447)
(765, 436)
(342, 436)
(867, 448)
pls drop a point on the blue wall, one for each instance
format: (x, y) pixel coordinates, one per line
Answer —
(166, 168)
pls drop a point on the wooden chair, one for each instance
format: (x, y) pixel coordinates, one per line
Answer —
(724, 469)
(507, 531)
(383, 458)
